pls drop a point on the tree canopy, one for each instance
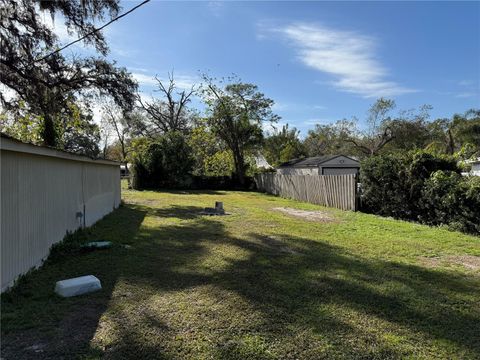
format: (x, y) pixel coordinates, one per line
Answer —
(236, 114)
(46, 85)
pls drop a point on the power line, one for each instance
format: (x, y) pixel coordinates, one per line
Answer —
(92, 32)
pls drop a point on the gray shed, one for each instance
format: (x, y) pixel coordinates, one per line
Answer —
(320, 165)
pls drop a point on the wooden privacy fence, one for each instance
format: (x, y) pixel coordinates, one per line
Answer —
(339, 191)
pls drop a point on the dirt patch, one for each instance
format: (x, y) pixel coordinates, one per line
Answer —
(320, 216)
(468, 261)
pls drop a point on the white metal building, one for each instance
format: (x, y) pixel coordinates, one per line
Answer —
(320, 165)
(475, 167)
(44, 194)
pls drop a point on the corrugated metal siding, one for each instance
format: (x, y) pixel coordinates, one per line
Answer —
(40, 199)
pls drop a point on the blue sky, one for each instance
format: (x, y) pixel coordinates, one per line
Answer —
(319, 61)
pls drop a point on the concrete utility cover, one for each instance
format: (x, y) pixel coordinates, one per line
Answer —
(77, 286)
(97, 245)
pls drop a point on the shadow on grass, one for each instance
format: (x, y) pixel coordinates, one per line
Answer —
(192, 192)
(185, 302)
(180, 212)
(38, 324)
(288, 279)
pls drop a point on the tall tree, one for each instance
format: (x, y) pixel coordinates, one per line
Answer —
(118, 121)
(465, 131)
(74, 128)
(46, 81)
(410, 130)
(459, 135)
(379, 130)
(283, 145)
(331, 139)
(236, 114)
(170, 112)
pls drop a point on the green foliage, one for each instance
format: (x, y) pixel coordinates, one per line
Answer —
(408, 135)
(138, 146)
(219, 164)
(453, 200)
(46, 85)
(331, 139)
(72, 130)
(384, 187)
(167, 162)
(465, 131)
(78, 133)
(378, 132)
(212, 158)
(237, 112)
(282, 146)
(26, 128)
(422, 187)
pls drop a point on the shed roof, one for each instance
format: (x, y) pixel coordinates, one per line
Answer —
(312, 161)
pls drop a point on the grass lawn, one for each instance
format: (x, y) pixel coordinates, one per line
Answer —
(256, 284)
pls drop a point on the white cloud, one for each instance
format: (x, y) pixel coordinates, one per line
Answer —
(186, 81)
(278, 106)
(469, 89)
(317, 122)
(96, 112)
(269, 127)
(183, 82)
(287, 106)
(466, 95)
(346, 55)
(216, 8)
(144, 80)
(57, 25)
(466, 83)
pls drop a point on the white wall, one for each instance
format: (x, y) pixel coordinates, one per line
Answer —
(42, 193)
(338, 171)
(297, 171)
(476, 169)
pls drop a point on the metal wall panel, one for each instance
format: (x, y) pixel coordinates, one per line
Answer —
(43, 197)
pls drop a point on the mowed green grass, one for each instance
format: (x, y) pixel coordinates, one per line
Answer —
(256, 284)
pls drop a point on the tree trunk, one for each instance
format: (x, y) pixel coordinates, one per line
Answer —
(239, 167)
(451, 143)
(49, 134)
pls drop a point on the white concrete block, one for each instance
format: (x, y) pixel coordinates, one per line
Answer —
(77, 286)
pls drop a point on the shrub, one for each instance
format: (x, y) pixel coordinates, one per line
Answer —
(165, 163)
(420, 165)
(453, 200)
(422, 187)
(384, 189)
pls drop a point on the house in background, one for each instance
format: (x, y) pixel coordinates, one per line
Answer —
(475, 167)
(320, 165)
(262, 163)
